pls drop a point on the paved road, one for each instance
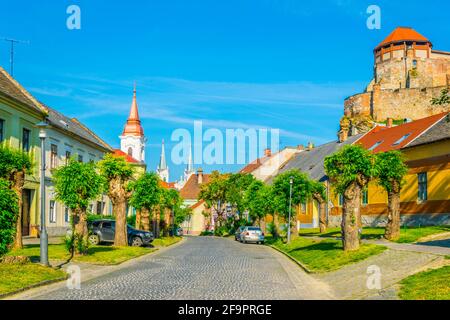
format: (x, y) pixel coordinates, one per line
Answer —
(202, 268)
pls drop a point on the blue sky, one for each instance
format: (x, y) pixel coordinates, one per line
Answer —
(285, 64)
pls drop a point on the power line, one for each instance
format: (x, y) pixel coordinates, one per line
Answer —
(11, 59)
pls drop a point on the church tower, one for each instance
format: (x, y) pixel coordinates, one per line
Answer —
(163, 169)
(189, 168)
(132, 140)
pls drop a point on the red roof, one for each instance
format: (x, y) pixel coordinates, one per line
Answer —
(133, 126)
(403, 34)
(167, 185)
(191, 189)
(128, 158)
(383, 139)
(252, 166)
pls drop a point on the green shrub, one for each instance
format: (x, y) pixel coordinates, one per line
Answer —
(206, 233)
(93, 217)
(131, 220)
(9, 211)
(221, 232)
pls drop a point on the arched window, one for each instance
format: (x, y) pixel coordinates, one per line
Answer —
(130, 152)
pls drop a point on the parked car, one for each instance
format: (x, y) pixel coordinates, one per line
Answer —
(104, 231)
(237, 234)
(252, 234)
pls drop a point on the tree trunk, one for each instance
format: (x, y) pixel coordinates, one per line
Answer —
(138, 224)
(322, 217)
(276, 226)
(121, 237)
(350, 217)
(80, 231)
(18, 181)
(158, 224)
(145, 219)
(393, 225)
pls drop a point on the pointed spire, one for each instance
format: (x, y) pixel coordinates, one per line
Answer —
(133, 126)
(162, 161)
(190, 164)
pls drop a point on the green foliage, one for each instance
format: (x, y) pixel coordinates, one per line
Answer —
(222, 231)
(301, 191)
(443, 99)
(8, 215)
(349, 165)
(214, 192)
(259, 200)
(235, 189)
(147, 192)
(13, 160)
(391, 169)
(77, 184)
(112, 167)
(427, 285)
(318, 189)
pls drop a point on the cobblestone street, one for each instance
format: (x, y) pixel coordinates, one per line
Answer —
(202, 268)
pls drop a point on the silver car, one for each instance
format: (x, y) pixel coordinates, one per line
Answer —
(252, 234)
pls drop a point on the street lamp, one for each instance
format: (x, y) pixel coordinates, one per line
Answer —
(291, 183)
(43, 230)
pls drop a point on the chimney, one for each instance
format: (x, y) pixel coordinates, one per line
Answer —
(268, 152)
(389, 123)
(300, 147)
(343, 136)
(200, 176)
(310, 146)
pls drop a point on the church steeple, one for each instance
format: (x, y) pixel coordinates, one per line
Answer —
(132, 140)
(163, 169)
(133, 126)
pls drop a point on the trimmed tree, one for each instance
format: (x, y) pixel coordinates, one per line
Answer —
(76, 185)
(237, 185)
(14, 165)
(259, 202)
(9, 211)
(391, 173)
(301, 193)
(146, 196)
(118, 175)
(350, 170)
(171, 205)
(214, 195)
(319, 194)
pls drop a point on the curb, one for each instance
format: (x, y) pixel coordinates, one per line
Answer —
(301, 265)
(33, 286)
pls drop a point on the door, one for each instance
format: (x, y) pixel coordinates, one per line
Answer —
(107, 231)
(26, 205)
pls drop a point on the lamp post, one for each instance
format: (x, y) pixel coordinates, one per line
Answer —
(291, 182)
(43, 230)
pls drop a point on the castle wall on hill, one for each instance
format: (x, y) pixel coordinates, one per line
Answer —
(397, 104)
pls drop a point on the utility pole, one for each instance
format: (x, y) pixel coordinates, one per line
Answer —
(11, 58)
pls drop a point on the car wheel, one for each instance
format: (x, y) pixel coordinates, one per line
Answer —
(94, 239)
(136, 242)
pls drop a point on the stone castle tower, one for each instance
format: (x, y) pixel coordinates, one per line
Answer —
(408, 74)
(132, 140)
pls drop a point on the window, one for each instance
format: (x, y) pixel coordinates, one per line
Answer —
(52, 213)
(107, 225)
(53, 156)
(2, 130)
(376, 145)
(303, 207)
(414, 63)
(68, 155)
(406, 136)
(130, 152)
(341, 200)
(66, 215)
(91, 208)
(423, 186)
(365, 197)
(80, 158)
(26, 140)
(100, 206)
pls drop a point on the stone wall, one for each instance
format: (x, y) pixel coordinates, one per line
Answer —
(409, 220)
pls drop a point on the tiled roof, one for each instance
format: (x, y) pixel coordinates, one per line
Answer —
(12, 89)
(403, 34)
(311, 161)
(57, 119)
(197, 204)
(191, 189)
(440, 131)
(128, 158)
(383, 139)
(252, 166)
(167, 185)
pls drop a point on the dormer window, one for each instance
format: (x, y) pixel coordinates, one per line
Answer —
(399, 141)
(376, 145)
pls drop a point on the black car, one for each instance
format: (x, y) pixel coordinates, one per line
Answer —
(104, 231)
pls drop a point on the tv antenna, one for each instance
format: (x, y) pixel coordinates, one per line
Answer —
(11, 59)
